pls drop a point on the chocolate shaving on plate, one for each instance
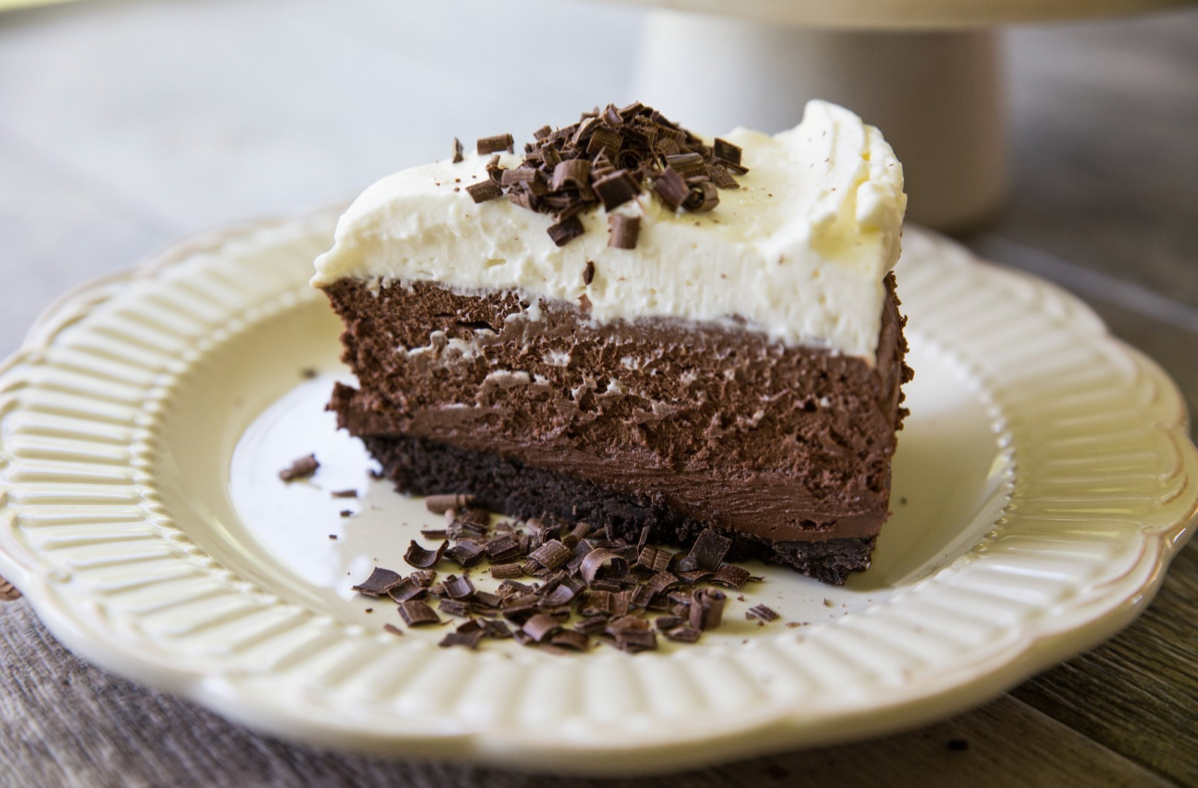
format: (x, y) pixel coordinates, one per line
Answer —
(730, 576)
(344, 494)
(379, 583)
(468, 639)
(552, 554)
(762, 613)
(394, 630)
(458, 587)
(465, 553)
(421, 558)
(415, 613)
(601, 560)
(540, 627)
(406, 590)
(506, 571)
(300, 469)
(707, 608)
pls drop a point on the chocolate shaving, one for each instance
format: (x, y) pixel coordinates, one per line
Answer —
(454, 607)
(394, 630)
(604, 159)
(424, 578)
(683, 634)
(600, 560)
(636, 640)
(566, 231)
(379, 583)
(726, 151)
(502, 548)
(429, 533)
(468, 639)
(497, 630)
(571, 639)
(458, 587)
(457, 150)
(671, 187)
(703, 197)
(709, 550)
(588, 273)
(465, 553)
(500, 142)
(344, 494)
(616, 189)
(707, 608)
(504, 571)
(552, 554)
(624, 231)
(300, 469)
(762, 613)
(406, 590)
(730, 576)
(415, 613)
(421, 558)
(440, 504)
(484, 190)
(540, 627)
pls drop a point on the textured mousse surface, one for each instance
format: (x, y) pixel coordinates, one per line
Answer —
(655, 422)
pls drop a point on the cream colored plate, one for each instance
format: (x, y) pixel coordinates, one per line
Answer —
(1041, 485)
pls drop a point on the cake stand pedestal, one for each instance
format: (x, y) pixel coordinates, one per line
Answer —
(929, 74)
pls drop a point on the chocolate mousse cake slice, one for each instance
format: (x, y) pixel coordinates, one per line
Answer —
(633, 326)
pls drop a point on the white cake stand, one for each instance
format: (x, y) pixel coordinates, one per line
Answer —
(927, 72)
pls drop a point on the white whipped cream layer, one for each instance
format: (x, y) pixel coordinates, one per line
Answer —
(798, 252)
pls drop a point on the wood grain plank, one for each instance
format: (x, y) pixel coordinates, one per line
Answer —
(68, 724)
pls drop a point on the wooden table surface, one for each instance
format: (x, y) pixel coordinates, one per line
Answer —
(124, 125)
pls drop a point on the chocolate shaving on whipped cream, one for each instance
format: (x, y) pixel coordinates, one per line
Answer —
(606, 158)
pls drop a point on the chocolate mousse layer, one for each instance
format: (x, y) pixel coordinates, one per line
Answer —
(666, 423)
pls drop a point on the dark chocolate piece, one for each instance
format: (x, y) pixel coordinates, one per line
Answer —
(552, 554)
(541, 626)
(466, 553)
(496, 144)
(505, 571)
(415, 613)
(602, 560)
(709, 550)
(300, 469)
(571, 639)
(457, 150)
(406, 591)
(730, 576)
(671, 188)
(683, 634)
(484, 190)
(588, 273)
(616, 189)
(707, 608)
(566, 231)
(624, 231)
(761, 612)
(726, 151)
(468, 639)
(379, 583)
(458, 587)
(344, 494)
(421, 558)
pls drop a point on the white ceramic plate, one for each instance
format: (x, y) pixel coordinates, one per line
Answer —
(1042, 483)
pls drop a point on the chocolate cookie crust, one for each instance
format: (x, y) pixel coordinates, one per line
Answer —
(670, 424)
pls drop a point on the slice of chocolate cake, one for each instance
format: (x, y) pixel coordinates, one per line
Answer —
(633, 326)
